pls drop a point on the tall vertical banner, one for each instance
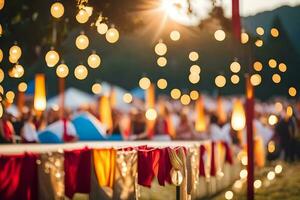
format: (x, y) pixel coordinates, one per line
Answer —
(236, 20)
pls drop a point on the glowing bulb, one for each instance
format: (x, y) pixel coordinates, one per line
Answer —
(276, 78)
(112, 35)
(10, 95)
(160, 49)
(1, 108)
(271, 175)
(57, 10)
(2, 2)
(1, 30)
(289, 111)
(257, 66)
(193, 56)
(185, 99)
(82, 42)
(161, 61)
(62, 71)
(1, 55)
(260, 31)
(52, 58)
(194, 78)
(195, 69)
(244, 38)
(274, 32)
(96, 88)
(278, 107)
(292, 91)
(228, 195)
(18, 71)
(127, 98)
(273, 120)
(257, 184)
(94, 60)
(151, 114)
(278, 169)
(22, 87)
(255, 79)
(220, 35)
(82, 16)
(175, 35)
(282, 67)
(80, 72)
(271, 146)
(162, 83)
(259, 43)
(175, 93)
(235, 79)
(235, 67)
(15, 52)
(238, 118)
(144, 83)
(244, 160)
(102, 28)
(243, 174)
(220, 81)
(1, 75)
(272, 63)
(194, 95)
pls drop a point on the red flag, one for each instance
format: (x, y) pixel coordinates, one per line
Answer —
(236, 20)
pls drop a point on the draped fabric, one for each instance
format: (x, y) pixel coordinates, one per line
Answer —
(77, 166)
(105, 166)
(228, 153)
(236, 20)
(18, 177)
(213, 169)
(201, 161)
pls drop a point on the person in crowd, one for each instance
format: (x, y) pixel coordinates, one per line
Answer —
(219, 132)
(138, 126)
(28, 131)
(185, 129)
(163, 127)
(6, 130)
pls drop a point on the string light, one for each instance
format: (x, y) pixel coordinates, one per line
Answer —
(220, 35)
(259, 43)
(220, 81)
(175, 35)
(193, 56)
(185, 99)
(273, 120)
(260, 31)
(162, 83)
(235, 67)
(96, 88)
(235, 79)
(82, 41)
(82, 16)
(244, 38)
(271, 146)
(57, 10)
(228, 195)
(258, 66)
(243, 174)
(1, 75)
(278, 169)
(271, 175)
(195, 69)
(194, 78)
(15, 53)
(276, 78)
(194, 94)
(102, 28)
(278, 107)
(2, 2)
(175, 93)
(160, 48)
(80, 72)
(112, 35)
(94, 60)
(292, 91)
(257, 184)
(274, 32)
(289, 111)
(272, 63)
(282, 67)
(161, 61)
(62, 70)
(10, 95)
(255, 79)
(151, 114)
(127, 98)
(22, 87)
(1, 55)
(51, 58)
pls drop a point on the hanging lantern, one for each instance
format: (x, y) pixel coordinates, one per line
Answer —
(52, 58)
(1, 55)
(57, 10)
(102, 28)
(82, 16)
(238, 118)
(1, 75)
(160, 48)
(112, 35)
(94, 60)
(15, 52)
(105, 112)
(40, 93)
(82, 42)
(2, 2)
(80, 72)
(62, 70)
(144, 83)
(200, 124)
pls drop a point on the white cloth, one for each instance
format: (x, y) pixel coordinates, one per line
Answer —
(58, 128)
(29, 132)
(220, 133)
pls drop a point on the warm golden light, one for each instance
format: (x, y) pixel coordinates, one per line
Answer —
(271, 147)
(51, 58)
(175, 93)
(282, 67)
(193, 56)
(105, 112)
(228, 195)
(238, 118)
(289, 111)
(162, 83)
(278, 107)
(57, 10)
(272, 120)
(96, 88)
(80, 72)
(259, 43)
(220, 81)
(82, 16)
(1, 30)
(235, 67)
(1, 90)
(271, 175)
(194, 94)
(243, 174)
(161, 61)
(260, 31)
(82, 42)
(112, 35)
(276, 78)
(144, 83)
(200, 123)
(127, 98)
(102, 28)
(2, 2)
(1, 107)
(274, 32)
(22, 87)
(292, 91)
(10, 95)
(160, 48)
(244, 38)
(272, 63)
(278, 169)
(40, 93)
(62, 71)
(255, 79)
(1, 55)
(220, 35)
(235, 79)
(94, 60)
(175, 35)
(151, 114)
(258, 66)
(194, 78)
(257, 184)
(185, 99)
(16, 72)
(1, 75)
(15, 53)
(195, 69)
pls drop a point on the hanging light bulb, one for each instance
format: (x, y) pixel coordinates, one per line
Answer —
(62, 70)
(80, 72)
(102, 28)
(96, 88)
(220, 81)
(235, 67)
(112, 35)
(82, 42)
(161, 61)
(194, 94)
(1, 75)
(22, 87)
(175, 93)
(82, 16)
(1, 55)
(194, 78)
(127, 98)
(16, 72)
(1, 30)
(238, 118)
(255, 79)
(151, 114)
(162, 83)
(2, 2)
(51, 58)
(193, 56)
(220, 35)
(195, 69)
(40, 93)
(144, 83)
(244, 38)
(57, 10)
(94, 60)
(15, 52)
(235, 79)
(175, 35)
(185, 99)
(160, 48)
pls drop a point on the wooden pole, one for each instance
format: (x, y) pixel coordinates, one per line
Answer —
(61, 88)
(250, 146)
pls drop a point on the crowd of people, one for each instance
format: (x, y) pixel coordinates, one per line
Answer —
(173, 122)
